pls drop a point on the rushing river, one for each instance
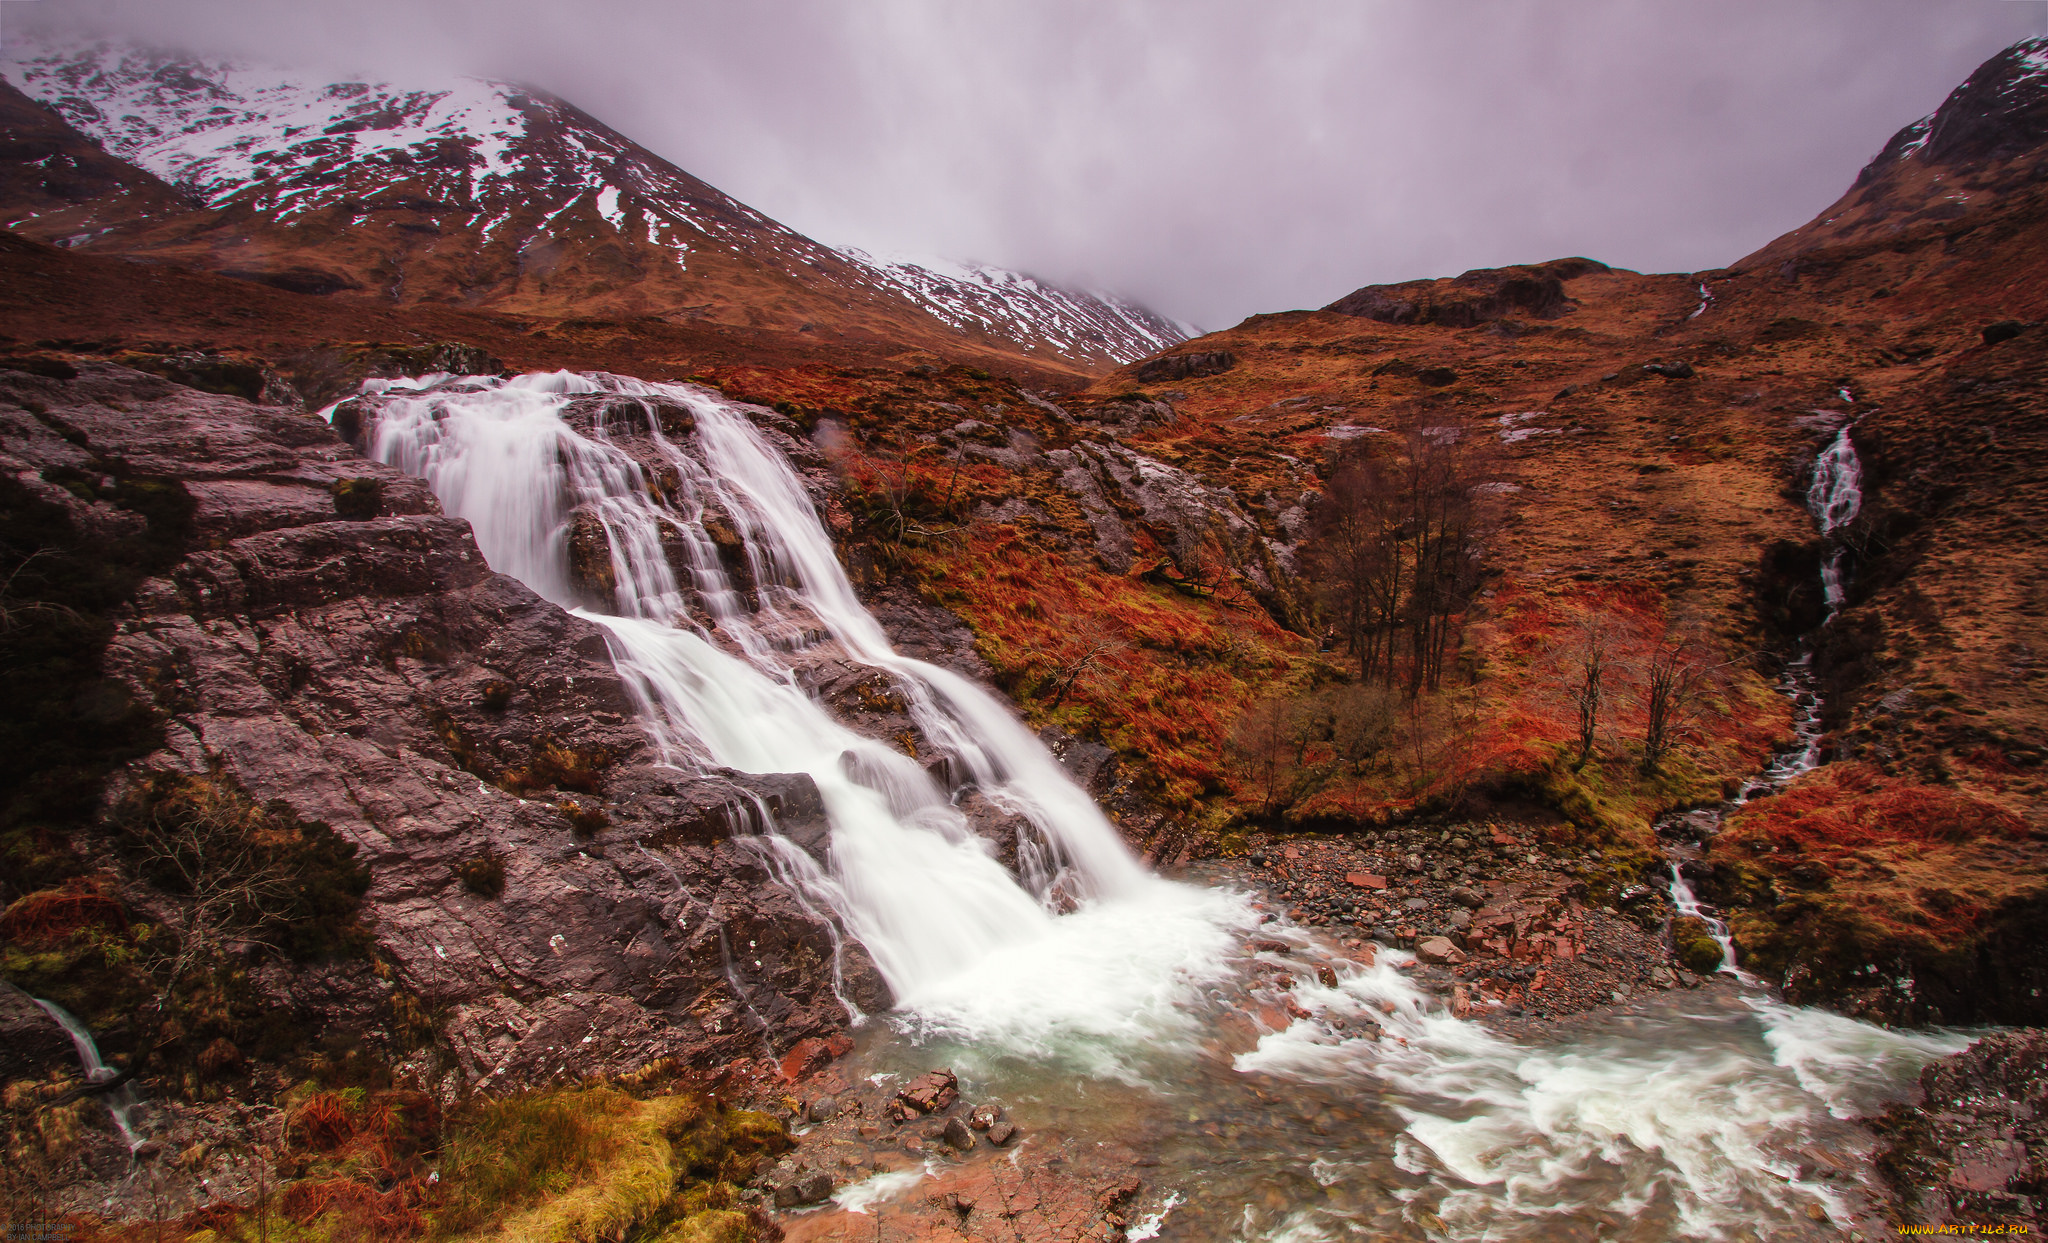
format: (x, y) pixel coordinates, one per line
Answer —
(1087, 994)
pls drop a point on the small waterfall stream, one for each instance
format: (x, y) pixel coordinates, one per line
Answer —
(1834, 498)
(1087, 994)
(121, 1101)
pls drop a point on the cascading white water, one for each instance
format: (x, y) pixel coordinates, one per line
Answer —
(964, 944)
(1835, 496)
(120, 1102)
(1130, 984)
(1532, 1138)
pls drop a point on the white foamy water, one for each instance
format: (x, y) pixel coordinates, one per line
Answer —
(1836, 494)
(1081, 967)
(968, 947)
(1692, 1113)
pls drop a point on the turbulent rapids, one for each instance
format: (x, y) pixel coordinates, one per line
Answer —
(1086, 992)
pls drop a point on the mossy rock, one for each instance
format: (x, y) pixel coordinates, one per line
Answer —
(1694, 944)
(359, 497)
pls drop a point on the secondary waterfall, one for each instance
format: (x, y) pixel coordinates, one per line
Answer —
(1082, 986)
(121, 1101)
(1835, 497)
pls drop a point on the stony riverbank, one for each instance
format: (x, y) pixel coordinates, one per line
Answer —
(1521, 931)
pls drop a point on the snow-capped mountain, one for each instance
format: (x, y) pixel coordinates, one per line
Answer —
(1987, 141)
(977, 297)
(489, 194)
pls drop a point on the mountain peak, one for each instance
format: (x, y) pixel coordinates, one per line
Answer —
(2000, 111)
(491, 194)
(1987, 140)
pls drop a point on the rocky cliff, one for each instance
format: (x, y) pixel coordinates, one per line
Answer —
(317, 640)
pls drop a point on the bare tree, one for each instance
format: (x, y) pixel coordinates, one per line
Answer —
(1266, 745)
(905, 507)
(1395, 551)
(1440, 481)
(1355, 554)
(1590, 658)
(15, 611)
(232, 878)
(1677, 672)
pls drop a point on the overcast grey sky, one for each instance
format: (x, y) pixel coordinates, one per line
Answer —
(1211, 158)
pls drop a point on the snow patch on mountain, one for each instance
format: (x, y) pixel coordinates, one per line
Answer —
(980, 297)
(490, 153)
(508, 166)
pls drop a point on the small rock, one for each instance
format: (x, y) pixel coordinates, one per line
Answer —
(1327, 974)
(824, 1109)
(1001, 1134)
(1439, 950)
(984, 1116)
(931, 1092)
(957, 1134)
(809, 1187)
(1265, 946)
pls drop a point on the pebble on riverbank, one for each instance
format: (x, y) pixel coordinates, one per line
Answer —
(1510, 926)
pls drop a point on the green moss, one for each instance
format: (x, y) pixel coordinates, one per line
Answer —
(714, 1226)
(1696, 948)
(593, 1163)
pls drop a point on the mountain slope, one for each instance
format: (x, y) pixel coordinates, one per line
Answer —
(62, 182)
(485, 194)
(1981, 147)
(978, 297)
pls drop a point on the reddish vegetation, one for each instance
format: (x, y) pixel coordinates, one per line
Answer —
(1846, 807)
(55, 914)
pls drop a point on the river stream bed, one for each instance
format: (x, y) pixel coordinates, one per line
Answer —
(1185, 1062)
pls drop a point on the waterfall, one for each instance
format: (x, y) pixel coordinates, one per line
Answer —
(1835, 497)
(1836, 494)
(1083, 964)
(968, 947)
(121, 1101)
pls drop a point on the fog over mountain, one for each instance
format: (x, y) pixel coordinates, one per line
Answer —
(1208, 159)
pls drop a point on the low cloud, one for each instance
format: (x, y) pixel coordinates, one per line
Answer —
(1212, 159)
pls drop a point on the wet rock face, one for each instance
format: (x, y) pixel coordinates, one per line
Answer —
(364, 665)
(1976, 1147)
(32, 1045)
